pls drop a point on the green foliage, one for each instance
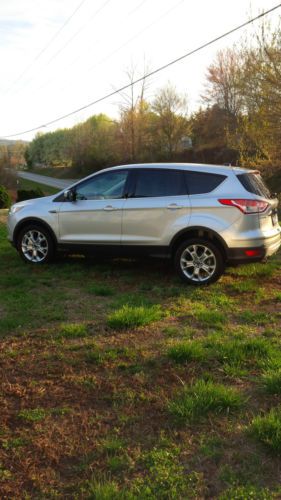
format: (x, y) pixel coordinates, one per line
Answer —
(235, 355)
(211, 447)
(202, 398)
(248, 492)
(211, 318)
(259, 318)
(132, 317)
(14, 443)
(112, 445)
(72, 330)
(5, 199)
(165, 477)
(100, 290)
(37, 414)
(33, 415)
(104, 490)
(267, 429)
(183, 352)
(28, 194)
(272, 382)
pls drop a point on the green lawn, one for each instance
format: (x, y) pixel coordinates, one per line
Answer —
(119, 382)
(26, 184)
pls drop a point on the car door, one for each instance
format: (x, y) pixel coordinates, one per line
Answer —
(157, 207)
(96, 214)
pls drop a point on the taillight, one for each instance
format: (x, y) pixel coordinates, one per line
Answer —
(246, 206)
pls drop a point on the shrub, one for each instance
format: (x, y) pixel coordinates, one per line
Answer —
(5, 199)
(246, 493)
(29, 194)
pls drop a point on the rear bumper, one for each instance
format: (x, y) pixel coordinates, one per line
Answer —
(254, 254)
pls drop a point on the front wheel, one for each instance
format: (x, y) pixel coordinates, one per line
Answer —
(199, 262)
(35, 244)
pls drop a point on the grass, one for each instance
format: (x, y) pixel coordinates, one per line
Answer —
(27, 184)
(72, 330)
(133, 317)
(120, 382)
(246, 493)
(37, 414)
(271, 382)
(100, 290)
(200, 399)
(235, 355)
(183, 352)
(267, 430)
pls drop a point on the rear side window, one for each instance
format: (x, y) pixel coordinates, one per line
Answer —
(253, 183)
(202, 182)
(151, 183)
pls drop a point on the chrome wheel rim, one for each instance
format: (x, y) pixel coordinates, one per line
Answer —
(34, 246)
(198, 263)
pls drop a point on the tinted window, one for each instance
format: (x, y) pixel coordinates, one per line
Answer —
(103, 186)
(200, 182)
(254, 184)
(151, 183)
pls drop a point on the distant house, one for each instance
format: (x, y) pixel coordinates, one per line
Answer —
(185, 143)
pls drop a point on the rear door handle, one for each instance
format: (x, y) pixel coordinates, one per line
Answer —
(174, 206)
(109, 208)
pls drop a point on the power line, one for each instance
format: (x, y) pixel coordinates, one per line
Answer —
(49, 43)
(74, 36)
(148, 26)
(78, 31)
(151, 73)
(135, 36)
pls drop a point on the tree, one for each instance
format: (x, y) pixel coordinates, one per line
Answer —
(224, 82)
(7, 175)
(262, 94)
(134, 122)
(171, 123)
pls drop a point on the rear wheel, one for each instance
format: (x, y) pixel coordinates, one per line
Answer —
(199, 262)
(35, 244)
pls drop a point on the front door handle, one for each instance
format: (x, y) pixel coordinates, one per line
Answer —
(174, 206)
(109, 208)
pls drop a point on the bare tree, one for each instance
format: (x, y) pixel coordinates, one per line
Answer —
(224, 82)
(172, 124)
(133, 112)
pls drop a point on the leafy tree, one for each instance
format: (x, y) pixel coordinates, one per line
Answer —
(5, 199)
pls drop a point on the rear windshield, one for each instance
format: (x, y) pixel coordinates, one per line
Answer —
(254, 184)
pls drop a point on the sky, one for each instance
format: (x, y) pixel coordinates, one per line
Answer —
(58, 55)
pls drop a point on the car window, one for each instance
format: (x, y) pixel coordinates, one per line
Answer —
(151, 183)
(254, 183)
(202, 182)
(103, 186)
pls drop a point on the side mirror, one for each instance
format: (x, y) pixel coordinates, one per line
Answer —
(69, 195)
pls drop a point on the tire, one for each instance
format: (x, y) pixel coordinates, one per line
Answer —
(35, 244)
(199, 262)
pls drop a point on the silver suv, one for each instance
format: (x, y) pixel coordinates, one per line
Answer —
(204, 216)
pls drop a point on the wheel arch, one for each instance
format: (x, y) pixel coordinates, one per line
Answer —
(199, 232)
(33, 220)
